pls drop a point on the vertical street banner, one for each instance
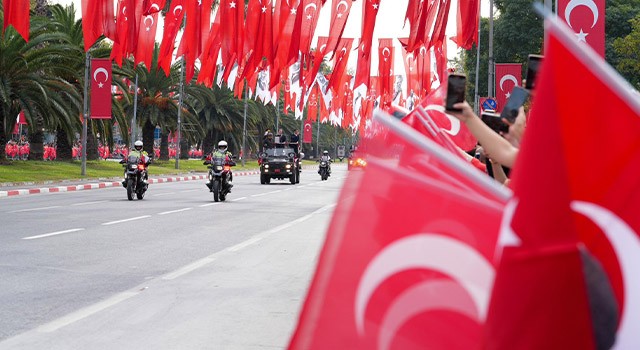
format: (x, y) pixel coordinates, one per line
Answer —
(100, 88)
(308, 132)
(508, 76)
(586, 19)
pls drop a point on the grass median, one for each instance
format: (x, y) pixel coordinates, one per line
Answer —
(40, 171)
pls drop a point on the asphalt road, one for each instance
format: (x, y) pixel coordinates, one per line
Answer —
(92, 270)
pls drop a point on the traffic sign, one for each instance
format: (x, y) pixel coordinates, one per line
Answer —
(489, 103)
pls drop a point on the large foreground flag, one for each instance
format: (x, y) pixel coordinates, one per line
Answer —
(586, 19)
(408, 259)
(601, 204)
(100, 88)
(16, 13)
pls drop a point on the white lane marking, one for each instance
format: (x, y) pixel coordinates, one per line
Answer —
(126, 220)
(266, 193)
(255, 239)
(54, 233)
(86, 312)
(239, 199)
(88, 203)
(174, 211)
(208, 205)
(187, 191)
(163, 194)
(34, 209)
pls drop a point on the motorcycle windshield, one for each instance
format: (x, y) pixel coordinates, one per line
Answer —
(217, 160)
(133, 160)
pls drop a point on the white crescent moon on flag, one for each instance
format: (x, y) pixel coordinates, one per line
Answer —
(508, 77)
(626, 245)
(155, 6)
(342, 2)
(177, 8)
(428, 251)
(455, 122)
(145, 20)
(575, 3)
(103, 71)
(343, 51)
(410, 59)
(124, 10)
(388, 52)
(423, 50)
(315, 8)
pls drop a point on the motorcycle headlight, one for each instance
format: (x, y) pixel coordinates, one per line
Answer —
(218, 167)
(133, 166)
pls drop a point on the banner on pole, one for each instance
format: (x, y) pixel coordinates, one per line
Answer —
(100, 89)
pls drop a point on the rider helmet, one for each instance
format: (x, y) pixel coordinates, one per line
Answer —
(138, 145)
(222, 146)
(326, 153)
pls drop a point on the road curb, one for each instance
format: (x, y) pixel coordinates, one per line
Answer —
(99, 185)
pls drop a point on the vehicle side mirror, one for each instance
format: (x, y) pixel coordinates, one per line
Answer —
(206, 162)
(263, 155)
(301, 155)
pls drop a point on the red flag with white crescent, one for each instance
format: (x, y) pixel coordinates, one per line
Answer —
(339, 14)
(97, 19)
(411, 71)
(508, 76)
(467, 22)
(147, 33)
(308, 130)
(385, 70)
(312, 105)
(586, 18)
(172, 20)
(600, 203)
(407, 262)
(363, 72)
(340, 67)
(310, 15)
(100, 88)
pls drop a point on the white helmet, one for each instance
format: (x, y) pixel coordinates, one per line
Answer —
(138, 145)
(222, 145)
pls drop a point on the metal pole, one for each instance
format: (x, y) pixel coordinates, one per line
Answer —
(85, 111)
(180, 112)
(476, 96)
(277, 115)
(318, 136)
(134, 122)
(491, 59)
(244, 127)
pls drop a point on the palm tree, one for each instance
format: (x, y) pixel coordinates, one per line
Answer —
(31, 80)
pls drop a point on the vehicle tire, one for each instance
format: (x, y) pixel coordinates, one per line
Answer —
(263, 179)
(298, 176)
(216, 190)
(130, 189)
(267, 179)
(292, 178)
(140, 193)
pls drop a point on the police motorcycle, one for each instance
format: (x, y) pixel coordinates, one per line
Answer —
(220, 175)
(324, 166)
(135, 173)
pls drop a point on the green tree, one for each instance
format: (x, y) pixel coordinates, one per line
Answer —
(627, 55)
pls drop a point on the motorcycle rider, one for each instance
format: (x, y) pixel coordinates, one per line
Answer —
(140, 153)
(325, 157)
(222, 152)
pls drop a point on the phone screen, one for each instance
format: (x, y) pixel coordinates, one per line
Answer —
(456, 86)
(533, 66)
(516, 100)
(494, 121)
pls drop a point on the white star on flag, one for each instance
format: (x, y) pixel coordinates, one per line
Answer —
(508, 94)
(232, 5)
(582, 36)
(100, 85)
(264, 9)
(293, 11)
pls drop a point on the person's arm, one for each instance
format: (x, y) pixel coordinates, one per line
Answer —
(498, 172)
(499, 148)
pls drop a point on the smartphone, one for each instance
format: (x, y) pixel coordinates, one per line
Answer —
(456, 90)
(516, 100)
(533, 66)
(494, 121)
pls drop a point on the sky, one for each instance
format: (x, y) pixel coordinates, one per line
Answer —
(389, 24)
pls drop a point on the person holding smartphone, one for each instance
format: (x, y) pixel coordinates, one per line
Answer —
(501, 150)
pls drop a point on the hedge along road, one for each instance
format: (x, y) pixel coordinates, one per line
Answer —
(93, 270)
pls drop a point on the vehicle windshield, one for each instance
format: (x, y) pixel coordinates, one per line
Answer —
(218, 160)
(279, 152)
(133, 159)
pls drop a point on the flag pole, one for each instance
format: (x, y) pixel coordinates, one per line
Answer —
(244, 127)
(85, 111)
(180, 113)
(491, 74)
(476, 97)
(134, 121)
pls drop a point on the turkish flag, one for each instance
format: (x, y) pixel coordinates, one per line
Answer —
(308, 130)
(311, 13)
(440, 25)
(231, 34)
(97, 19)
(586, 18)
(316, 58)
(16, 13)
(422, 24)
(467, 21)
(195, 33)
(147, 33)
(385, 70)
(363, 70)
(411, 71)
(312, 105)
(407, 262)
(258, 37)
(339, 14)
(508, 76)
(100, 88)
(340, 67)
(425, 76)
(172, 20)
(209, 57)
(603, 199)
(284, 33)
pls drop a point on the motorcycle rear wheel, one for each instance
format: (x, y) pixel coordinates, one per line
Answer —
(130, 189)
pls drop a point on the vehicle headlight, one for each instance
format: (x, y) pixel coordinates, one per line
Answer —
(288, 166)
(218, 167)
(133, 166)
(266, 166)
